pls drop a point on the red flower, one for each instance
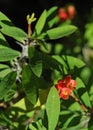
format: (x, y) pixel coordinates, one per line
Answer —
(62, 14)
(65, 93)
(72, 84)
(65, 86)
(59, 86)
(66, 13)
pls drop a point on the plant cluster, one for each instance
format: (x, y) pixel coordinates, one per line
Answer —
(43, 86)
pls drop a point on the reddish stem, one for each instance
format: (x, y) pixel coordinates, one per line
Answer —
(29, 30)
(80, 103)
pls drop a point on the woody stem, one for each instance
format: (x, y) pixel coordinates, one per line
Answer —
(80, 103)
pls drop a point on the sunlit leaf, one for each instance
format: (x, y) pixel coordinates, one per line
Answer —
(53, 108)
(4, 72)
(59, 32)
(3, 66)
(41, 22)
(52, 17)
(20, 104)
(51, 11)
(53, 21)
(31, 127)
(82, 92)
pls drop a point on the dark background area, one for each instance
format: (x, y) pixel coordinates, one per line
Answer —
(17, 10)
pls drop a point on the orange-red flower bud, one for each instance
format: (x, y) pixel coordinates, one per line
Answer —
(71, 11)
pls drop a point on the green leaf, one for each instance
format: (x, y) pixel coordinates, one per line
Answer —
(89, 34)
(51, 11)
(14, 32)
(82, 92)
(75, 106)
(29, 82)
(52, 17)
(7, 83)
(53, 108)
(31, 51)
(40, 125)
(41, 22)
(9, 95)
(3, 40)
(69, 61)
(31, 127)
(37, 125)
(3, 66)
(60, 32)
(4, 17)
(4, 72)
(8, 28)
(68, 118)
(20, 105)
(42, 43)
(35, 64)
(36, 67)
(49, 62)
(53, 21)
(4, 119)
(7, 54)
(75, 120)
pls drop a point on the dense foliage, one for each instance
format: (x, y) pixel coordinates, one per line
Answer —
(47, 85)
